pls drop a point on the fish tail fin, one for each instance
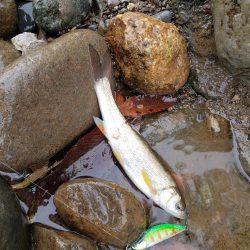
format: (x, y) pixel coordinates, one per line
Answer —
(100, 68)
(100, 124)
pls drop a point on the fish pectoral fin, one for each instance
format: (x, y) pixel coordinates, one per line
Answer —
(100, 124)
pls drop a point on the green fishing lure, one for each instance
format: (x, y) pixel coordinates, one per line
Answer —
(155, 235)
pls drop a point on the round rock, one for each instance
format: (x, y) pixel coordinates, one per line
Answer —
(45, 238)
(101, 209)
(152, 55)
(57, 15)
(8, 18)
(14, 231)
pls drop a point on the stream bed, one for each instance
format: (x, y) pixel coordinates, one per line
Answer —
(216, 193)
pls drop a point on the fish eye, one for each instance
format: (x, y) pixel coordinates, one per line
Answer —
(179, 206)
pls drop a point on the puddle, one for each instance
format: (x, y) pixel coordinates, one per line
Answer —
(217, 196)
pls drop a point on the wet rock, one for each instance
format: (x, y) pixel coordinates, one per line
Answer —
(25, 17)
(47, 99)
(57, 15)
(232, 35)
(151, 54)
(164, 16)
(209, 78)
(195, 120)
(48, 239)
(8, 18)
(8, 54)
(26, 42)
(14, 232)
(102, 210)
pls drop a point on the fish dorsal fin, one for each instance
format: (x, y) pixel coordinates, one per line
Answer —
(106, 65)
(100, 68)
(95, 63)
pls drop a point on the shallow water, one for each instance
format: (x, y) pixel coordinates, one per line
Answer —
(216, 194)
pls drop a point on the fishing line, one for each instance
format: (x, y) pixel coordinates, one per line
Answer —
(63, 203)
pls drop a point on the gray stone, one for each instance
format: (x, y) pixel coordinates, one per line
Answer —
(8, 18)
(57, 15)
(232, 35)
(47, 99)
(101, 209)
(14, 231)
(26, 20)
(50, 239)
(26, 42)
(8, 54)
(164, 16)
(209, 78)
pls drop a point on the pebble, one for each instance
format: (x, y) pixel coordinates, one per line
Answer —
(236, 98)
(131, 6)
(26, 42)
(165, 16)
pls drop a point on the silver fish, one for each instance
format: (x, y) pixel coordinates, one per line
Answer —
(135, 156)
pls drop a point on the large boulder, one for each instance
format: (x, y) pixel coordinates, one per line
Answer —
(232, 35)
(8, 54)
(49, 239)
(8, 18)
(47, 99)
(14, 231)
(151, 54)
(57, 15)
(101, 209)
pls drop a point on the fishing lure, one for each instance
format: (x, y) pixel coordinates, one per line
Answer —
(155, 235)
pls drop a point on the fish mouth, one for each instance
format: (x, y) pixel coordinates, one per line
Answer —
(178, 214)
(177, 208)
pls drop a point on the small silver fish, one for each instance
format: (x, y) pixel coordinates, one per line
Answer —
(135, 156)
